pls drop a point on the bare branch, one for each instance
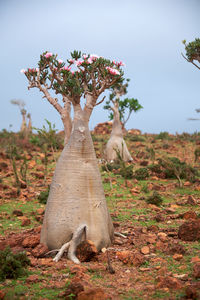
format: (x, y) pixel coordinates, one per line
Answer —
(100, 101)
(191, 61)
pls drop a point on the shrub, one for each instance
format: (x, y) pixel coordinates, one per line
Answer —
(163, 136)
(155, 199)
(135, 138)
(141, 173)
(173, 166)
(12, 265)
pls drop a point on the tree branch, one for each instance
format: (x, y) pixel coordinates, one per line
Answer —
(191, 61)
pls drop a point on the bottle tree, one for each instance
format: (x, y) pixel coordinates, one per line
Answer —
(76, 207)
(121, 111)
(193, 52)
(21, 104)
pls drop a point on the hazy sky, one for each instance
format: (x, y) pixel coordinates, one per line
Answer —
(146, 34)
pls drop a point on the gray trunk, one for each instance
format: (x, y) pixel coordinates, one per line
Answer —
(116, 141)
(76, 194)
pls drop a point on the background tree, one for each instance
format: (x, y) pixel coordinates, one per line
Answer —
(21, 105)
(121, 111)
(192, 52)
(76, 207)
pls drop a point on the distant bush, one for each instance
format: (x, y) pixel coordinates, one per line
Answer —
(136, 138)
(12, 265)
(163, 136)
(173, 167)
(155, 199)
(141, 173)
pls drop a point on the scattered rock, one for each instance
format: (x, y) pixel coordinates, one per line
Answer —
(145, 250)
(40, 250)
(175, 248)
(177, 256)
(93, 294)
(86, 251)
(196, 270)
(191, 292)
(162, 236)
(189, 215)
(25, 221)
(129, 257)
(159, 218)
(190, 231)
(168, 282)
(31, 241)
(32, 279)
(73, 288)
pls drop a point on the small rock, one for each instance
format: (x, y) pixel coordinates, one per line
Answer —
(86, 251)
(25, 221)
(190, 231)
(189, 215)
(169, 282)
(129, 257)
(145, 250)
(162, 236)
(31, 241)
(195, 259)
(177, 256)
(93, 294)
(196, 270)
(40, 250)
(191, 292)
(32, 279)
(73, 288)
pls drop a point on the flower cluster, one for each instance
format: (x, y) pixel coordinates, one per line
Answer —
(48, 54)
(112, 71)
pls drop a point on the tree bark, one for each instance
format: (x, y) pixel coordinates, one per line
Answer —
(76, 195)
(116, 141)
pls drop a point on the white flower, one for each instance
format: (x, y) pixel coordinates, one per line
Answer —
(22, 71)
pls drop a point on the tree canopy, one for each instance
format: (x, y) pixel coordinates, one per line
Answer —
(192, 52)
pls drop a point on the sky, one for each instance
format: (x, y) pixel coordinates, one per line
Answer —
(145, 34)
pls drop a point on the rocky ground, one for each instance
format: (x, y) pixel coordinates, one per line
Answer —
(158, 256)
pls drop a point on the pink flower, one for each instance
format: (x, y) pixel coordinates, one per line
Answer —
(72, 72)
(94, 56)
(36, 70)
(79, 62)
(85, 56)
(22, 71)
(48, 54)
(89, 61)
(121, 63)
(60, 61)
(66, 68)
(71, 61)
(112, 71)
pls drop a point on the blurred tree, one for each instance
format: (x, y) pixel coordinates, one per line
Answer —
(121, 111)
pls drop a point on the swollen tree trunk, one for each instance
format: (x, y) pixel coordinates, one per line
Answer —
(116, 141)
(23, 126)
(76, 197)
